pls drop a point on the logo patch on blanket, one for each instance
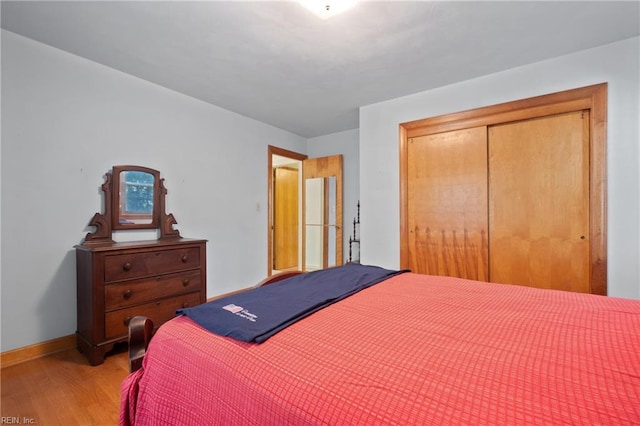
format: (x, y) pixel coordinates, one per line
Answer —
(232, 308)
(240, 311)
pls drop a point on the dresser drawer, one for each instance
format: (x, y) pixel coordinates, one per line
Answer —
(136, 265)
(131, 293)
(160, 311)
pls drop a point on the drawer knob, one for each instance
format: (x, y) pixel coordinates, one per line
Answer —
(126, 321)
(185, 282)
(185, 258)
(127, 294)
(126, 266)
(185, 304)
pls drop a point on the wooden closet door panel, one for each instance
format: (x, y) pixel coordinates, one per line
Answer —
(539, 202)
(447, 203)
(285, 224)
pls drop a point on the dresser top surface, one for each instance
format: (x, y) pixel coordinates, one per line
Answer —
(120, 245)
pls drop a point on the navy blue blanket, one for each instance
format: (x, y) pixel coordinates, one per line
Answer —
(256, 315)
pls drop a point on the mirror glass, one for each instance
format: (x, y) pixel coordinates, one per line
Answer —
(320, 223)
(136, 195)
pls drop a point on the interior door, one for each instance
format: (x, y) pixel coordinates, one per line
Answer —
(539, 202)
(285, 226)
(447, 204)
(322, 212)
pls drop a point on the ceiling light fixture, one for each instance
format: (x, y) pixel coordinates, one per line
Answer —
(325, 9)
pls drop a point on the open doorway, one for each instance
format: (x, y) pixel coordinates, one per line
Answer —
(285, 216)
(305, 211)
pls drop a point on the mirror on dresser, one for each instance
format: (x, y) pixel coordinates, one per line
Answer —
(135, 199)
(117, 281)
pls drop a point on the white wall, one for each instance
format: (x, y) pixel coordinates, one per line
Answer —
(65, 122)
(345, 143)
(617, 64)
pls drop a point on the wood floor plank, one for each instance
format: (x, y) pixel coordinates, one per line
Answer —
(63, 389)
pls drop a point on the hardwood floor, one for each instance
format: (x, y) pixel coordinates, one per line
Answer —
(63, 389)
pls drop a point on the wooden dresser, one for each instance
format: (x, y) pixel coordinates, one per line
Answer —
(119, 280)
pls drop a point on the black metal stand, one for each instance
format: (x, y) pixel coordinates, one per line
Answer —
(355, 238)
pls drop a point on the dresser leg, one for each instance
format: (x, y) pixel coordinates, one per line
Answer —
(95, 354)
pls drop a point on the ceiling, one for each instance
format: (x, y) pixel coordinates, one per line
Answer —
(278, 63)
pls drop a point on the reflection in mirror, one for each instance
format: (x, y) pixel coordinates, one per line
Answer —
(136, 197)
(320, 223)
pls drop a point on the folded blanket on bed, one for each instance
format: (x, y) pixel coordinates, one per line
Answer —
(256, 315)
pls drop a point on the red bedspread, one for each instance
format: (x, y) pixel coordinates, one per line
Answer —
(414, 349)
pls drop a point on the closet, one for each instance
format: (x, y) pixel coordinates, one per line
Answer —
(512, 193)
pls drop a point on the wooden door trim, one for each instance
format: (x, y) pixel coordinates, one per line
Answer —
(539, 106)
(271, 151)
(592, 98)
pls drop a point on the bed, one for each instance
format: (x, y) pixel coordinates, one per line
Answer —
(409, 350)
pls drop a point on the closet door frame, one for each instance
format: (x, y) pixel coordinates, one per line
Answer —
(592, 98)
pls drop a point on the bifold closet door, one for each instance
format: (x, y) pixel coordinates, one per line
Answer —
(447, 203)
(539, 202)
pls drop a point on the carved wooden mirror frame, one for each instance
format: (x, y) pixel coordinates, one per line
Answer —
(109, 221)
